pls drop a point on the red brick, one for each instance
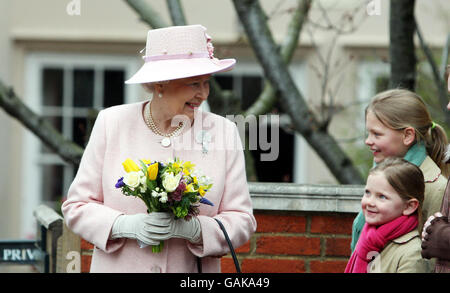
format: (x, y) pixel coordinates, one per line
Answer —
(278, 223)
(86, 263)
(243, 248)
(330, 266)
(338, 247)
(227, 265)
(288, 245)
(332, 224)
(86, 245)
(265, 265)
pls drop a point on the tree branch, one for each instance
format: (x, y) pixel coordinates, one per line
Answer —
(252, 17)
(66, 149)
(438, 77)
(147, 13)
(176, 12)
(267, 98)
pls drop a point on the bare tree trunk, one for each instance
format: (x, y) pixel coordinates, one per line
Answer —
(67, 150)
(253, 19)
(402, 51)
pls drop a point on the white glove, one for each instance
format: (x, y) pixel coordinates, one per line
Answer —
(163, 226)
(133, 227)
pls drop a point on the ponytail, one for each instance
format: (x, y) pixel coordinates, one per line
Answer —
(436, 144)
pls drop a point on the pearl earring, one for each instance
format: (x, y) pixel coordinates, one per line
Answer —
(160, 95)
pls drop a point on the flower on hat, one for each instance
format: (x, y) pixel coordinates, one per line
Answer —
(209, 46)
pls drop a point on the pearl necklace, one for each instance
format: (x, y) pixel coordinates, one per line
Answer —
(151, 124)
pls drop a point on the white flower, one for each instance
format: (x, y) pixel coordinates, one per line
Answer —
(132, 179)
(170, 181)
(196, 173)
(204, 180)
(155, 194)
(163, 197)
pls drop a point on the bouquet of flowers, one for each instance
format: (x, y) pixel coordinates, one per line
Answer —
(173, 186)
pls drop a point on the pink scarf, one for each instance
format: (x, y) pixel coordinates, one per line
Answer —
(374, 238)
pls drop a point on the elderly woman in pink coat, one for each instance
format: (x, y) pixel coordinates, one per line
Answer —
(178, 64)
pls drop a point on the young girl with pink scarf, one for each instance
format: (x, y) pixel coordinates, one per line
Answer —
(390, 240)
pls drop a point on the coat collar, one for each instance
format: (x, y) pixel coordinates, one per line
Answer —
(407, 237)
(431, 171)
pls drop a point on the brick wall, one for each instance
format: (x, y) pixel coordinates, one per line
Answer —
(286, 242)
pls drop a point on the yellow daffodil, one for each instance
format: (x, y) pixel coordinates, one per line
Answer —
(152, 171)
(190, 188)
(201, 191)
(188, 165)
(130, 166)
(195, 180)
(147, 162)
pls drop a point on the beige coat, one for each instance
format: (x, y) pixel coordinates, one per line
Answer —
(434, 188)
(435, 184)
(401, 255)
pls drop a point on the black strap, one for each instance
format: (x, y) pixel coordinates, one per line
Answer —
(230, 245)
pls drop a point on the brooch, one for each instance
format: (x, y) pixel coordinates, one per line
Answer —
(203, 138)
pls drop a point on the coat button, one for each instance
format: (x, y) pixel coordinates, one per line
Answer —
(156, 269)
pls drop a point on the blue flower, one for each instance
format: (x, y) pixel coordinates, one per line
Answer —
(205, 201)
(120, 183)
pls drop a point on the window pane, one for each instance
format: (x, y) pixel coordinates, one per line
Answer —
(52, 182)
(281, 169)
(83, 87)
(251, 89)
(52, 86)
(80, 131)
(225, 81)
(56, 122)
(113, 88)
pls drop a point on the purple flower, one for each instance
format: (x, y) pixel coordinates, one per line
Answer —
(177, 194)
(120, 183)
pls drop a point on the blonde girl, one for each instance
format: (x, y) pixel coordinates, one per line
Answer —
(390, 240)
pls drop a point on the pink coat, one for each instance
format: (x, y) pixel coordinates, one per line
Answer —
(93, 202)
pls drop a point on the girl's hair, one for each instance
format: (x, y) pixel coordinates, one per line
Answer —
(406, 179)
(399, 109)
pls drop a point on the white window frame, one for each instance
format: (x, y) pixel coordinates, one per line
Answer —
(368, 72)
(31, 154)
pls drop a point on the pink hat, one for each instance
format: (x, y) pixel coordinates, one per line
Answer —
(178, 52)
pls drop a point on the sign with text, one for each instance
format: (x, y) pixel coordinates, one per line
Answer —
(20, 252)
